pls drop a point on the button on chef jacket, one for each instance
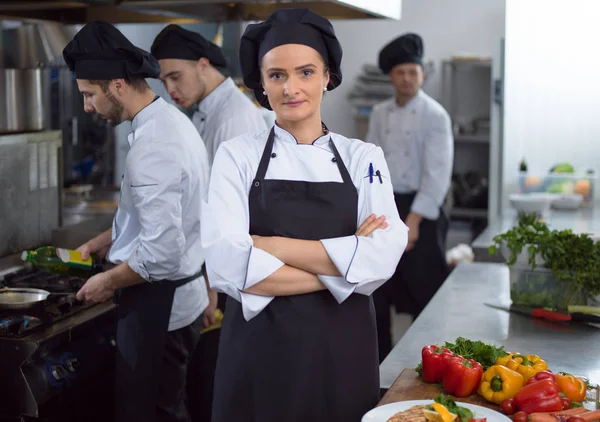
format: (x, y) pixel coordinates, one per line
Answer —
(157, 225)
(233, 263)
(224, 114)
(419, 147)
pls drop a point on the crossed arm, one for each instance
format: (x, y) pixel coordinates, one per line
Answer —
(304, 259)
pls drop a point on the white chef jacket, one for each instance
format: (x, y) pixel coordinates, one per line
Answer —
(419, 148)
(224, 114)
(233, 263)
(157, 224)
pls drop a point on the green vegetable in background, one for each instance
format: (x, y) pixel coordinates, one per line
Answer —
(563, 168)
(573, 259)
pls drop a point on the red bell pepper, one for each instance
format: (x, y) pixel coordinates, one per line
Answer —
(541, 396)
(434, 361)
(540, 376)
(462, 376)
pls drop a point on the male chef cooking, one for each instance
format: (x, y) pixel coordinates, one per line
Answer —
(155, 237)
(415, 134)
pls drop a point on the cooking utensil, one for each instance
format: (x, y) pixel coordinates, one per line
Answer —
(21, 298)
(548, 314)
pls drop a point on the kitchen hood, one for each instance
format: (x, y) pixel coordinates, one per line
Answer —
(189, 11)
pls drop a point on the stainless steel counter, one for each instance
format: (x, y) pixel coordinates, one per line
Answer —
(585, 220)
(458, 310)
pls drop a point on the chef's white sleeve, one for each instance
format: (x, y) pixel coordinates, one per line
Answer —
(232, 263)
(365, 263)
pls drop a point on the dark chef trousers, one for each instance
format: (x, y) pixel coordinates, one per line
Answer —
(420, 273)
(201, 376)
(172, 402)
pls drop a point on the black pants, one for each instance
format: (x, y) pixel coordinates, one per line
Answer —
(172, 402)
(201, 372)
(420, 273)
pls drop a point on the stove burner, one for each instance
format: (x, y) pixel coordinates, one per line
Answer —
(59, 304)
(17, 325)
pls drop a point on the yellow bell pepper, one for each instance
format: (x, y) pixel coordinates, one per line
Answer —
(500, 383)
(526, 365)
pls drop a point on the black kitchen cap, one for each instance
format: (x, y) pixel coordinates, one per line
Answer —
(174, 42)
(289, 26)
(407, 48)
(99, 51)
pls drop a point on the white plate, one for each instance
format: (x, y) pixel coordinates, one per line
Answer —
(383, 413)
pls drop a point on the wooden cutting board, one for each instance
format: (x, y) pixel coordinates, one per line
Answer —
(409, 386)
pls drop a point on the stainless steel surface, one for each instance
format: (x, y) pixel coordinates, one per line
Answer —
(585, 220)
(12, 108)
(29, 191)
(35, 94)
(175, 11)
(458, 310)
(34, 45)
(21, 299)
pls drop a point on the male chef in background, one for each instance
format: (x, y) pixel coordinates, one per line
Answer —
(190, 71)
(155, 238)
(415, 134)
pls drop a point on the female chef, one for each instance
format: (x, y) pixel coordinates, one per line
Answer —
(300, 228)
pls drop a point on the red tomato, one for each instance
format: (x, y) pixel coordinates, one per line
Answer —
(575, 419)
(508, 406)
(520, 417)
(566, 403)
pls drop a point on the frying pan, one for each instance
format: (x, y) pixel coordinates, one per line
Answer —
(21, 298)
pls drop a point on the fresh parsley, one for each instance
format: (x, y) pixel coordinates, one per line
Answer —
(573, 259)
(485, 354)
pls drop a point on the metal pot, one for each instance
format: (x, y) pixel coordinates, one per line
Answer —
(36, 98)
(12, 107)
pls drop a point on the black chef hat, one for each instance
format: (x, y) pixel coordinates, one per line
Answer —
(289, 26)
(407, 48)
(100, 51)
(174, 42)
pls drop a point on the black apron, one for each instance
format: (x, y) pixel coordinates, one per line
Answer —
(304, 357)
(143, 313)
(422, 270)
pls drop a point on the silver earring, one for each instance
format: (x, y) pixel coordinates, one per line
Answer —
(324, 89)
(264, 93)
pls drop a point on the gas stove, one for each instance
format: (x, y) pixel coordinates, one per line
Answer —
(61, 303)
(57, 357)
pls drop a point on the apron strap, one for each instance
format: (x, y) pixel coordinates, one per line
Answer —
(341, 166)
(174, 283)
(266, 157)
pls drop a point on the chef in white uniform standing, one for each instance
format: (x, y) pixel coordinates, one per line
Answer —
(190, 72)
(300, 228)
(415, 134)
(155, 237)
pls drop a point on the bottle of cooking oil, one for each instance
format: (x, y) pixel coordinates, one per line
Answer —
(62, 261)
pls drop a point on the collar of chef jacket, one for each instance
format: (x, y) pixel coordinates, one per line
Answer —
(144, 115)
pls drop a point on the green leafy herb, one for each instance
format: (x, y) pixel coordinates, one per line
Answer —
(575, 405)
(463, 413)
(485, 354)
(419, 368)
(573, 259)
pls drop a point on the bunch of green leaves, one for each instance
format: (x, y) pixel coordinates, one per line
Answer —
(463, 413)
(573, 259)
(485, 354)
